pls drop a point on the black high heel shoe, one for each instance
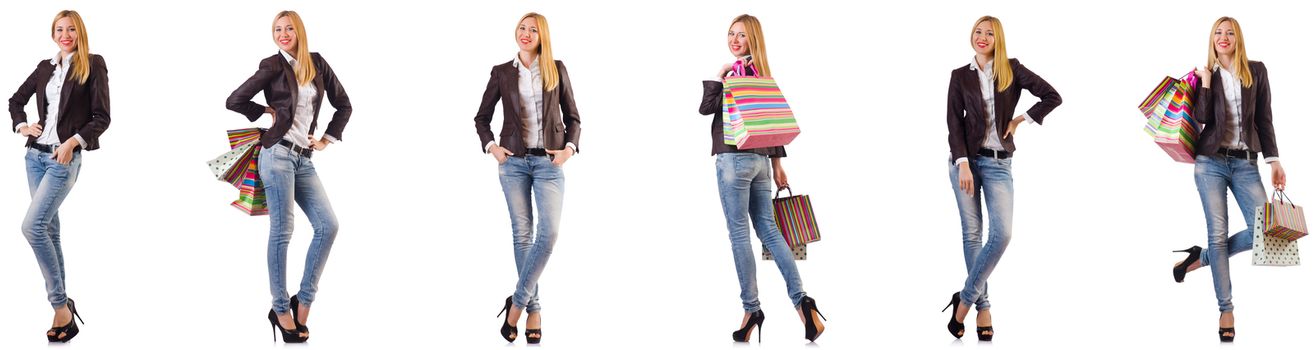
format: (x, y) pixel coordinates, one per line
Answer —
(1180, 271)
(809, 307)
(755, 320)
(296, 317)
(289, 335)
(533, 340)
(1227, 338)
(956, 327)
(983, 336)
(508, 330)
(69, 330)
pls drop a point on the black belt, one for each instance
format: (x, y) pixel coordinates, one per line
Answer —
(1237, 153)
(986, 152)
(304, 152)
(47, 149)
(535, 152)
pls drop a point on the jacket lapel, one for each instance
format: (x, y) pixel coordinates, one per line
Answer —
(42, 80)
(291, 79)
(64, 93)
(511, 84)
(973, 85)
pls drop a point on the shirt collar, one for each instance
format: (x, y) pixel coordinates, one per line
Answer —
(534, 66)
(56, 60)
(990, 65)
(287, 56)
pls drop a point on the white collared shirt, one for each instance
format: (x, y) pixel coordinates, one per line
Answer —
(54, 90)
(304, 113)
(1232, 128)
(986, 82)
(530, 84)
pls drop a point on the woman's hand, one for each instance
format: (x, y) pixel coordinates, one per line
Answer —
(1279, 177)
(965, 179)
(1204, 76)
(778, 174)
(272, 114)
(559, 158)
(726, 68)
(1013, 125)
(32, 130)
(319, 145)
(499, 153)
(64, 154)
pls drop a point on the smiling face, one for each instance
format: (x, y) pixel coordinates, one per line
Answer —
(737, 40)
(285, 35)
(1225, 38)
(983, 38)
(527, 34)
(65, 35)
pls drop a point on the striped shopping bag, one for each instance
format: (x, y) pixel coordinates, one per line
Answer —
(1168, 110)
(795, 219)
(1283, 219)
(1271, 251)
(754, 112)
(240, 167)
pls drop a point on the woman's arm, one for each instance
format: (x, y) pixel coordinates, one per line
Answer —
(1202, 100)
(1039, 88)
(337, 96)
(20, 98)
(954, 114)
(570, 114)
(712, 97)
(99, 84)
(484, 116)
(240, 100)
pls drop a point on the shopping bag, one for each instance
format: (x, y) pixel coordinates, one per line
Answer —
(225, 166)
(1283, 219)
(795, 218)
(799, 253)
(1271, 251)
(240, 168)
(1169, 120)
(754, 112)
(251, 194)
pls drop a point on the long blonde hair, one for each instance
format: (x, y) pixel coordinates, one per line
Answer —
(547, 66)
(757, 44)
(82, 55)
(1004, 73)
(305, 68)
(1240, 63)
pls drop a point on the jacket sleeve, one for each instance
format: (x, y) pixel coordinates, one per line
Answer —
(954, 111)
(21, 97)
(240, 100)
(100, 104)
(712, 97)
(570, 114)
(484, 116)
(1264, 113)
(1203, 105)
(1039, 88)
(337, 96)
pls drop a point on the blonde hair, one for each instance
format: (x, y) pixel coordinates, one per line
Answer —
(81, 55)
(1004, 73)
(305, 68)
(1240, 63)
(547, 66)
(757, 45)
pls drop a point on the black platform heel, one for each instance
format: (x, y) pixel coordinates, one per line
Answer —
(755, 320)
(983, 336)
(809, 307)
(296, 317)
(956, 327)
(508, 331)
(289, 335)
(533, 340)
(1180, 271)
(1227, 338)
(69, 330)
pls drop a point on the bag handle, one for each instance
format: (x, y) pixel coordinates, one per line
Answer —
(739, 66)
(1190, 78)
(787, 190)
(1281, 196)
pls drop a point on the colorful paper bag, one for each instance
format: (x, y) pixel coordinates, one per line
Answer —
(240, 168)
(754, 112)
(799, 253)
(1169, 121)
(1283, 219)
(1271, 251)
(795, 218)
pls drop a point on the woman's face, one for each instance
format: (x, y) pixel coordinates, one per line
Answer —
(984, 38)
(527, 34)
(1225, 39)
(285, 35)
(65, 36)
(737, 40)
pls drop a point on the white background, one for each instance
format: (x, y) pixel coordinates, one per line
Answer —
(157, 259)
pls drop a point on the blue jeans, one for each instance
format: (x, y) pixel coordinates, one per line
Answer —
(1215, 175)
(745, 183)
(993, 181)
(289, 177)
(537, 179)
(49, 183)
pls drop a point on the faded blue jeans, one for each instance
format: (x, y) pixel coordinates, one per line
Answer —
(993, 181)
(290, 177)
(745, 183)
(1215, 175)
(524, 180)
(49, 183)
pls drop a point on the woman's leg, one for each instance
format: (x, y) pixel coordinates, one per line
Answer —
(278, 175)
(49, 183)
(1213, 175)
(549, 186)
(735, 173)
(514, 175)
(764, 223)
(314, 201)
(970, 220)
(998, 191)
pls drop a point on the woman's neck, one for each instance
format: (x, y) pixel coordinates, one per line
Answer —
(1226, 61)
(528, 57)
(983, 59)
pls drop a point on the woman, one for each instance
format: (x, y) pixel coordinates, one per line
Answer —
(73, 109)
(1232, 104)
(540, 132)
(744, 179)
(982, 95)
(294, 82)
